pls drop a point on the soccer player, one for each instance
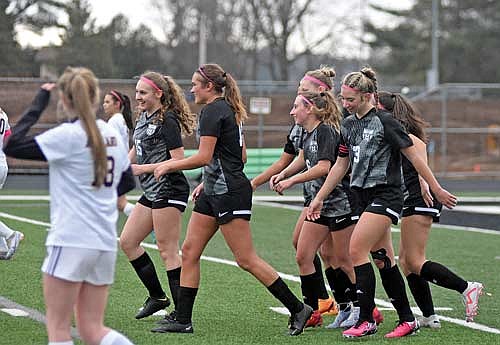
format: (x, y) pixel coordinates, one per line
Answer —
(117, 108)
(320, 116)
(372, 142)
(225, 199)
(164, 117)
(9, 239)
(319, 80)
(84, 175)
(420, 209)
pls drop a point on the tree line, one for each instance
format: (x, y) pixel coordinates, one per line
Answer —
(260, 39)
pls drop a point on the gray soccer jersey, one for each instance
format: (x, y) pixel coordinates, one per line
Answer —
(322, 144)
(153, 142)
(374, 143)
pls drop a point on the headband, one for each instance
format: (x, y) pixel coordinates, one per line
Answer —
(204, 75)
(308, 101)
(317, 82)
(151, 83)
(114, 93)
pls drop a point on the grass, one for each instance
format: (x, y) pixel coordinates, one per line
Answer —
(232, 307)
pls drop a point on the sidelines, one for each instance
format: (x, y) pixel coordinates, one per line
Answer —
(382, 303)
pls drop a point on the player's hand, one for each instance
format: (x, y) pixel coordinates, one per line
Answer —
(314, 209)
(48, 86)
(426, 193)
(197, 191)
(161, 170)
(275, 179)
(446, 198)
(281, 186)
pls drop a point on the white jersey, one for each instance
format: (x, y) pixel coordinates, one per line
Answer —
(81, 215)
(4, 128)
(117, 121)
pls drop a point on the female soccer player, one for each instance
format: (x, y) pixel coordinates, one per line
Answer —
(117, 108)
(319, 80)
(84, 174)
(226, 199)
(164, 117)
(373, 141)
(9, 239)
(320, 117)
(420, 209)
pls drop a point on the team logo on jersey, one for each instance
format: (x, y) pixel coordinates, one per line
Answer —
(367, 134)
(151, 129)
(313, 148)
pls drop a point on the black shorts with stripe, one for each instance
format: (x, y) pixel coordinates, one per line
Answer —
(226, 207)
(180, 202)
(386, 200)
(415, 205)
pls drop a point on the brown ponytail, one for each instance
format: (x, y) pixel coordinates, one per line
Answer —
(80, 87)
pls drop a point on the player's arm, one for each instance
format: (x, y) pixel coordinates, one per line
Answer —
(275, 168)
(20, 145)
(127, 182)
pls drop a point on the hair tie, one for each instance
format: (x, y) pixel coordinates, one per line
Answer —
(224, 75)
(322, 94)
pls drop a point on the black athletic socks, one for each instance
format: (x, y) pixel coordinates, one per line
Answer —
(440, 275)
(310, 287)
(281, 291)
(185, 303)
(394, 286)
(323, 294)
(145, 269)
(174, 281)
(421, 292)
(365, 290)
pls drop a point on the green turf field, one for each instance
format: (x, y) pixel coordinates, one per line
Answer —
(232, 307)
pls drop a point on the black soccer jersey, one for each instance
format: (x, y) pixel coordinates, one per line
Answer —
(374, 143)
(153, 142)
(224, 173)
(322, 143)
(294, 140)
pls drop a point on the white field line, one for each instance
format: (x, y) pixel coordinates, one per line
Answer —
(285, 276)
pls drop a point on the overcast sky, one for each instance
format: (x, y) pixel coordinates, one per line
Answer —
(141, 12)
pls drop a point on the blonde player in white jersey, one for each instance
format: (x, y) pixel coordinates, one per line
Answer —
(9, 239)
(117, 108)
(84, 175)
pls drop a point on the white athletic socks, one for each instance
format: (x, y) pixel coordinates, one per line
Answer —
(115, 338)
(128, 209)
(69, 342)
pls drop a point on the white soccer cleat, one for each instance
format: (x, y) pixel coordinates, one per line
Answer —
(431, 321)
(13, 243)
(352, 319)
(471, 300)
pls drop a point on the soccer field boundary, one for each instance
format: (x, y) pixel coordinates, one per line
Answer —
(289, 277)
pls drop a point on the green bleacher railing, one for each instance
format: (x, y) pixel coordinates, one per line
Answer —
(257, 161)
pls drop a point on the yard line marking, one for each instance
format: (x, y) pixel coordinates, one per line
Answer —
(32, 313)
(289, 277)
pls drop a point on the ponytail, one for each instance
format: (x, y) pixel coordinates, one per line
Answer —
(325, 107)
(224, 83)
(80, 87)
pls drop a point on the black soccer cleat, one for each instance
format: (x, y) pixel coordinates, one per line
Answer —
(152, 305)
(169, 318)
(174, 327)
(298, 320)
